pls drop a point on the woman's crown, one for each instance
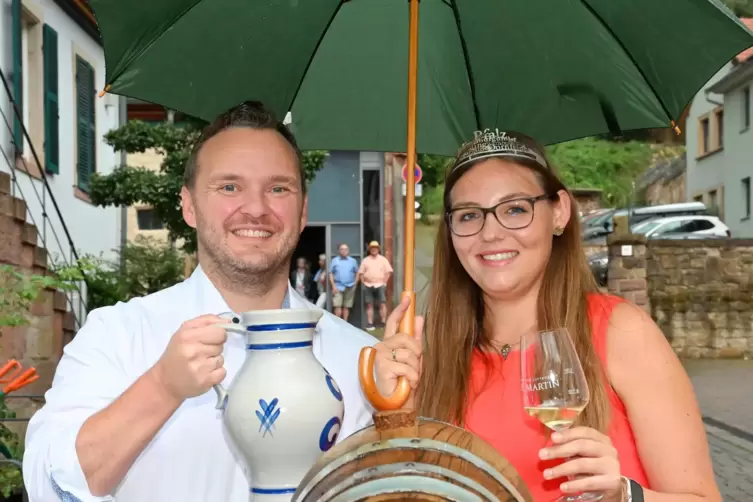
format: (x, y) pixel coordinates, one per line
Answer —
(495, 143)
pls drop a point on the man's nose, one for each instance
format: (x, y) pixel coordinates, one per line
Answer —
(255, 204)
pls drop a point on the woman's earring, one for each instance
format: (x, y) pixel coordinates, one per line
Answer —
(558, 231)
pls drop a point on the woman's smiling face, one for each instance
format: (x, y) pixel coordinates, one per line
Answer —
(505, 262)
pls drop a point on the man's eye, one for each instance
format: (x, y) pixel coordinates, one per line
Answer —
(279, 189)
(229, 188)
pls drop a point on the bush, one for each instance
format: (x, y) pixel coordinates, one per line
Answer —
(147, 266)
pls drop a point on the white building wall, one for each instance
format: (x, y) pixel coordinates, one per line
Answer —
(93, 230)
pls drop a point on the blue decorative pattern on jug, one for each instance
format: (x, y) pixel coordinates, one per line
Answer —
(268, 416)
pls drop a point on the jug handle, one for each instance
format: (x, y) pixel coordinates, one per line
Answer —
(366, 367)
(235, 327)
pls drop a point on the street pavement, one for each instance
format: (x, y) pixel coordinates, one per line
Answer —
(726, 404)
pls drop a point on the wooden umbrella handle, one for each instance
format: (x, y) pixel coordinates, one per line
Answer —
(366, 368)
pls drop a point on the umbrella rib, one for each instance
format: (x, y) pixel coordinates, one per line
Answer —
(468, 69)
(629, 55)
(147, 46)
(313, 53)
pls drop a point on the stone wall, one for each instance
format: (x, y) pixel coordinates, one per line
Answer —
(39, 344)
(701, 295)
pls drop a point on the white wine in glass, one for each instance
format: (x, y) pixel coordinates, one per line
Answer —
(554, 387)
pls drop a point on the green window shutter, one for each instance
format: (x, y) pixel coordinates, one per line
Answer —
(51, 106)
(85, 122)
(18, 75)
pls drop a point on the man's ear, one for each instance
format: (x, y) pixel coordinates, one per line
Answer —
(187, 207)
(562, 210)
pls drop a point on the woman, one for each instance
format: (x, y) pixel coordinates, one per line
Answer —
(508, 261)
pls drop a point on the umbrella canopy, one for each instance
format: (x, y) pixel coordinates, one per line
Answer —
(554, 70)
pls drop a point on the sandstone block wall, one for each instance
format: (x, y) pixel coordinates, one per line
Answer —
(40, 343)
(701, 295)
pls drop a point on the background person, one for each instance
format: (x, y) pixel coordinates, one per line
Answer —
(374, 273)
(343, 277)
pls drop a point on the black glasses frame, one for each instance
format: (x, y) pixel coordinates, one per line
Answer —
(493, 210)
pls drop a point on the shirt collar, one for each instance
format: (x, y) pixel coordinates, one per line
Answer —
(210, 301)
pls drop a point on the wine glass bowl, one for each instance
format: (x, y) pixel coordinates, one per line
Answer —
(554, 387)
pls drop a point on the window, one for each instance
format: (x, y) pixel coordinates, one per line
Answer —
(719, 119)
(746, 108)
(27, 82)
(148, 219)
(703, 143)
(746, 197)
(85, 123)
(713, 201)
(51, 109)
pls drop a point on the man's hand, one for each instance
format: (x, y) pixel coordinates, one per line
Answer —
(193, 362)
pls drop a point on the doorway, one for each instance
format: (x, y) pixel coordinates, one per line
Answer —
(312, 243)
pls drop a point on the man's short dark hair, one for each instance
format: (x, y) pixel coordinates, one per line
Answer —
(249, 114)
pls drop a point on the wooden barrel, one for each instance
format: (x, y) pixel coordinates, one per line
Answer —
(402, 457)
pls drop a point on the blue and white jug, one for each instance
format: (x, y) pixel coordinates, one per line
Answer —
(282, 410)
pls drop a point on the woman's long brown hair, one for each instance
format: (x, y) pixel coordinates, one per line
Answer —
(455, 315)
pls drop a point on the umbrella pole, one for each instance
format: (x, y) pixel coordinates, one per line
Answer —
(408, 321)
(402, 396)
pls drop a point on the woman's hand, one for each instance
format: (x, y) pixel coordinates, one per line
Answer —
(593, 461)
(399, 354)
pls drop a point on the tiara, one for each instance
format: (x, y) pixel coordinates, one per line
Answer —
(495, 143)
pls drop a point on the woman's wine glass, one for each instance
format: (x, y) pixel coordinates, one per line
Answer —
(554, 387)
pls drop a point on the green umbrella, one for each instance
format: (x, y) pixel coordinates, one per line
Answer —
(556, 70)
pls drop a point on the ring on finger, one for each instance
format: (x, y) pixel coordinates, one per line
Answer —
(394, 354)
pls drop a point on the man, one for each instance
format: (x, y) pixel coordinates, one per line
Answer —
(374, 274)
(302, 280)
(343, 276)
(131, 413)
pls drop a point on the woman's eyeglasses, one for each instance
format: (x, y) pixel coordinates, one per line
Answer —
(513, 214)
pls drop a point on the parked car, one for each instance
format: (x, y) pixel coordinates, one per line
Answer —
(601, 226)
(674, 225)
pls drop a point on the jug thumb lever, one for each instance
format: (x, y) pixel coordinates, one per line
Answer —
(221, 396)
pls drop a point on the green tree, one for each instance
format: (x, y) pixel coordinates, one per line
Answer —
(129, 185)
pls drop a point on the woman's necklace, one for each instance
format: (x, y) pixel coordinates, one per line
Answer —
(506, 348)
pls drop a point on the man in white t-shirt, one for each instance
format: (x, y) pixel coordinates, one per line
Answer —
(131, 413)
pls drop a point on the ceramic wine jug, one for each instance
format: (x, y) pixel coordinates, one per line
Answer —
(283, 409)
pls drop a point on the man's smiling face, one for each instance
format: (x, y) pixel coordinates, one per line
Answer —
(247, 203)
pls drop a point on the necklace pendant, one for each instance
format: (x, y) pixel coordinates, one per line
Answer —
(505, 350)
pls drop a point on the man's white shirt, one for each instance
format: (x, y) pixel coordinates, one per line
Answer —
(189, 459)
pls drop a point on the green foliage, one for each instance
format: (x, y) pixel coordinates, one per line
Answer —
(148, 266)
(607, 165)
(11, 447)
(129, 185)
(742, 8)
(433, 168)
(18, 292)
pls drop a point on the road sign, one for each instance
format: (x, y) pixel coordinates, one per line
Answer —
(418, 173)
(417, 204)
(417, 215)
(418, 190)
